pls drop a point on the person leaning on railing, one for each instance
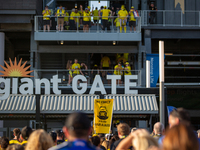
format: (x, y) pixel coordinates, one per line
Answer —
(118, 70)
(46, 18)
(127, 69)
(60, 14)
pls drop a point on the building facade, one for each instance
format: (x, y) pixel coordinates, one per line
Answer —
(176, 22)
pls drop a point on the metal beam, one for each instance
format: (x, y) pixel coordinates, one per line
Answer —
(87, 49)
(66, 36)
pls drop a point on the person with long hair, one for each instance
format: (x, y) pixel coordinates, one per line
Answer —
(39, 140)
(16, 134)
(180, 137)
(69, 67)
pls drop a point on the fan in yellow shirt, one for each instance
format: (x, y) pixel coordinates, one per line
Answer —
(60, 14)
(105, 13)
(122, 14)
(127, 69)
(86, 19)
(117, 24)
(105, 62)
(132, 21)
(118, 70)
(46, 18)
(95, 15)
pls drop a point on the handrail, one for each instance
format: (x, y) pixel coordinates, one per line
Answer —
(78, 24)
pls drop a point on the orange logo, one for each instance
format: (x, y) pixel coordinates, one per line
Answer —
(15, 70)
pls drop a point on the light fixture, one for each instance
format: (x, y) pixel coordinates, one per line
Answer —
(63, 77)
(114, 43)
(168, 53)
(61, 42)
(99, 2)
(75, 5)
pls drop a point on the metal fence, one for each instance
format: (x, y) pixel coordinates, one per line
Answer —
(77, 25)
(65, 75)
(170, 18)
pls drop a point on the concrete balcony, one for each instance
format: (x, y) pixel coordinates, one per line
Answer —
(95, 32)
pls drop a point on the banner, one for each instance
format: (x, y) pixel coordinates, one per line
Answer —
(103, 110)
(154, 68)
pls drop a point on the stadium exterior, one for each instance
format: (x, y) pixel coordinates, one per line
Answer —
(177, 23)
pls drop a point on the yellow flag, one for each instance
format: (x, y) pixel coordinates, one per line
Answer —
(103, 110)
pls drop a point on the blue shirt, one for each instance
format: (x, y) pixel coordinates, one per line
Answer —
(75, 145)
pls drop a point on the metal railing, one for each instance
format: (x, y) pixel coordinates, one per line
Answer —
(66, 75)
(76, 25)
(170, 18)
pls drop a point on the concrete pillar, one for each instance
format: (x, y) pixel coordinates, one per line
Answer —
(2, 49)
(144, 5)
(33, 52)
(160, 6)
(135, 4)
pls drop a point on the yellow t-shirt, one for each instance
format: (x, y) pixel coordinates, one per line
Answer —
(132, 18)
(118, 72)
(13, 141)
(77, 16)
(76, 67)
(105, 61)
(46, 14)
(86, 16)
(66, 18)
(72, 16)
(95, 15)
(60, 13)
(122, 14)
(127, 72)
(126, 56)
(117, 22)
(105, 13)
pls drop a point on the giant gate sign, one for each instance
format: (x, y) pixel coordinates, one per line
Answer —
(27, 85)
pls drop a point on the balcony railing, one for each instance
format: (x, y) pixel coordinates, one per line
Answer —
(66, 75)
(173, 18)
(78, 25)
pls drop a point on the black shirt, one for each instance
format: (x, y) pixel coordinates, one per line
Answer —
(116, 144)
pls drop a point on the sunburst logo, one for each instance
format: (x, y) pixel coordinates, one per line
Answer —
(16, 70)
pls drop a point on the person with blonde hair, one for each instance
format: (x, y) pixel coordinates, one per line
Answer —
(39, 140)
(139, 139)
(69, 67)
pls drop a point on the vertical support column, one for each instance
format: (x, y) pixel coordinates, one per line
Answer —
(2, 49)
(135, 4)
(144, 5)
(33, 52)
(37, 114)
(160, 6)
(161, 78)
(147, 74)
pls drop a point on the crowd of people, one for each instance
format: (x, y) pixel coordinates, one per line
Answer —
(104, 17)
(77, 133)
(101, 68)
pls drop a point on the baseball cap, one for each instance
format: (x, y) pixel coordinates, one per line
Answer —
(105, 7)
(127, 63)
(132, 6)
(77, 120)
(88, 7)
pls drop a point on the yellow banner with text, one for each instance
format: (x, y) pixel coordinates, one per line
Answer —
(103, 110)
